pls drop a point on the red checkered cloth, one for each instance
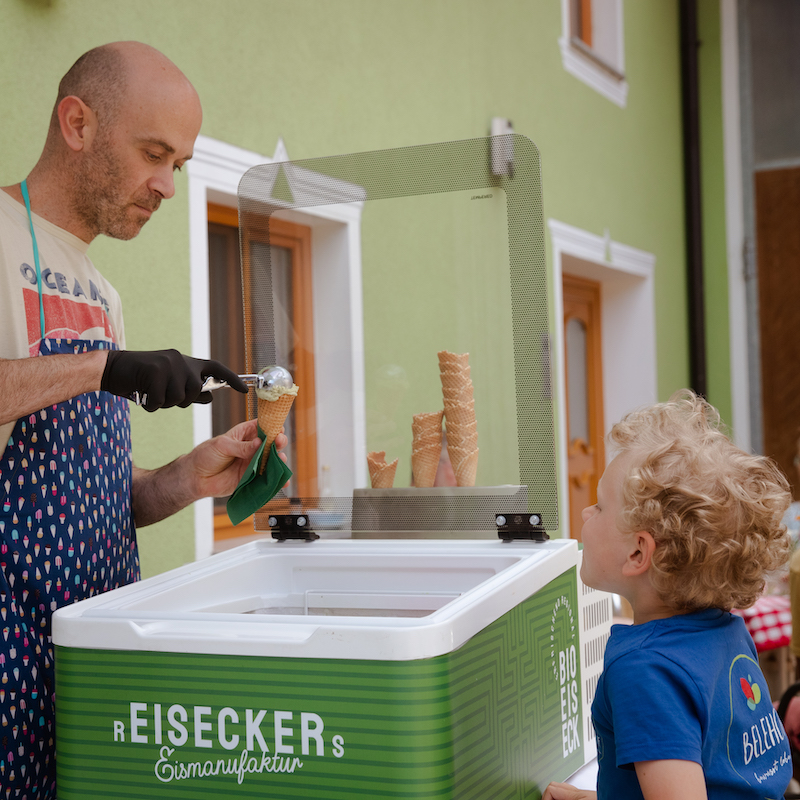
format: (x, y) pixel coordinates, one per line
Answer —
(769, 621)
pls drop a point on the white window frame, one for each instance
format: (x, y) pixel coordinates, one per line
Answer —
(741, 388)
(214, 173)
(627, 309)
(611, 83)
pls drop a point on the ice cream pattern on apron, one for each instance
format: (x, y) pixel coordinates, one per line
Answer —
(65, 534)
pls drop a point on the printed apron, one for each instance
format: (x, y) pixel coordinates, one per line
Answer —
(66, 533)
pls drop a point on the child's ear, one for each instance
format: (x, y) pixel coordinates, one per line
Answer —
(640, 554)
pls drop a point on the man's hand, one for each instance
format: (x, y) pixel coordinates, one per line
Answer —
(213, 469)
(563, 791)
(219, 463)
(163, 378)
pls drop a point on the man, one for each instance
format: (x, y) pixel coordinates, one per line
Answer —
(125, 118)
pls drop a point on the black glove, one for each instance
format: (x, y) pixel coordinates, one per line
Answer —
(163, 378)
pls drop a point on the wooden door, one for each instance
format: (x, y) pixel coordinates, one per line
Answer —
(290, 245)
(777, 200)
(585, 451)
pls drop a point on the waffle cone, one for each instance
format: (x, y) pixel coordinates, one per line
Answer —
(381, 474)
(463, 394)
(454, 379)
(271, 416)
(448, 360)
(425, 462)
(376, 459)
(457, 391)
(457, 428)
(428, 418)
(469, 444)
(427, 422)
(419, 442)
(466, 442)
(384, 478)
(426, 429)
(465, 468)
(426, 440)
(457, 453)
(459, 413)
(426, 435)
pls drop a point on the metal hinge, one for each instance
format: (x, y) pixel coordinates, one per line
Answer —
(291, 526)
(520, 527)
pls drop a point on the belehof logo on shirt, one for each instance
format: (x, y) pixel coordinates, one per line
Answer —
(759, 749)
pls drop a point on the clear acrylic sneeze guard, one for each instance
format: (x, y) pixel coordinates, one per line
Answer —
(415, 251)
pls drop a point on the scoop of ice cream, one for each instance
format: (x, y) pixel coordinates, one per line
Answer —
(272, 393)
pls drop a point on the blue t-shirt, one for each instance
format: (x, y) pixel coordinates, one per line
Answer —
(688, 687)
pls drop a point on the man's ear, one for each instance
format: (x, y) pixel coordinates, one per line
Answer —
(640, 554)
(78, 123)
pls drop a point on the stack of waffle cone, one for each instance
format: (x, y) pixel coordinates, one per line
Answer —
(271, 416)
(459, 413)
(381, 474)
(426, 446)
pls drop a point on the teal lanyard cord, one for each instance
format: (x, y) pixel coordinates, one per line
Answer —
(35, 256)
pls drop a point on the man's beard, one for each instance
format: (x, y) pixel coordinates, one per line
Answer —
(98, 200)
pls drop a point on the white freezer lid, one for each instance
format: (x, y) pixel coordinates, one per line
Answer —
(364, 599)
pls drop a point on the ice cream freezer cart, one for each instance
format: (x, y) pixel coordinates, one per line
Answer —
(341, 669)
(384, 643)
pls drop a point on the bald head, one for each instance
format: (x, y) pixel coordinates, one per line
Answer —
(125, 119)
(99, 79)
(105, 78)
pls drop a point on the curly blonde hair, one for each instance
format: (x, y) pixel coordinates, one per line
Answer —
(714, 510)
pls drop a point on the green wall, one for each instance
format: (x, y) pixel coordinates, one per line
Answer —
(715, 256)
(336, 76)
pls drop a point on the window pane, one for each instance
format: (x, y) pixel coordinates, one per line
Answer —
(227, 322)
(578, 385)
(283, 297)
(774, 31)
(226, 326)
(606, 30)
(280, 259)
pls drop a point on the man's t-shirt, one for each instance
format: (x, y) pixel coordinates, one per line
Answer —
(688, 687)
(79, 303)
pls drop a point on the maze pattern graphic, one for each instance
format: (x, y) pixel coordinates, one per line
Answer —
(482, 721)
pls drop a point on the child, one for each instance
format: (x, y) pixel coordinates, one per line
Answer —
(685, 528)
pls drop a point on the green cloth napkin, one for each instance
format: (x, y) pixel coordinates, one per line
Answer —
(254, 490)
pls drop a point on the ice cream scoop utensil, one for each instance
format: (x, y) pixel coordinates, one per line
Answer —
(266, 378)
(263, 379)
(211, 383)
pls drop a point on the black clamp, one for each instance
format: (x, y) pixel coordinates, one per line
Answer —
(291, 526)
(520, 527)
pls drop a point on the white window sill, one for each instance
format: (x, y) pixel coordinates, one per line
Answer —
(605, 81)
